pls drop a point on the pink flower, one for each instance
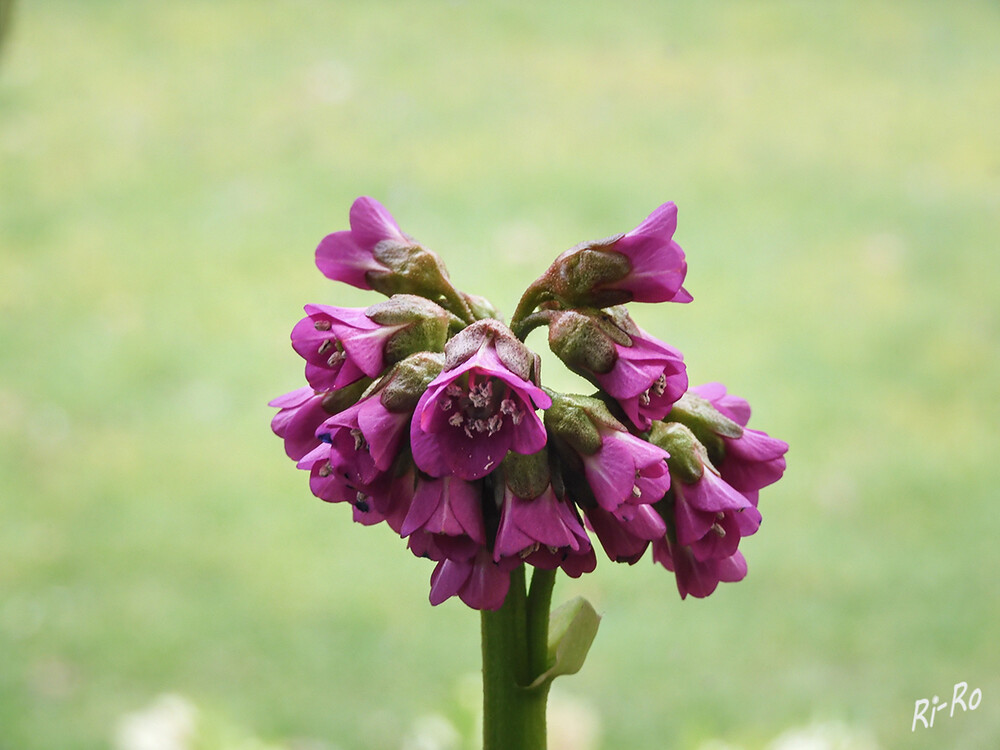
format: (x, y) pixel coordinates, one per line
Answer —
(645, 375)
(349, 255)
(696, 577)
(706, 517)
(749, 462)
(300, 413)
(626, 472)
(647, 378)
(477, 580)
(626, 540)
(340, 345)
(542, 524)
(447, 506)
(644, 265)
(474, 413)
(657, 262)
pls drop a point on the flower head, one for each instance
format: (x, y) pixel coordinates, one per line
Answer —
(481, 406)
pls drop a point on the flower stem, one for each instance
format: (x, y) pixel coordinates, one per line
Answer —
(514, 653)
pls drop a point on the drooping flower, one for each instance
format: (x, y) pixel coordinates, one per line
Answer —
(622, 471)
(626, 540)
(304, 409)
(446, 506)
(341, 345)
(360, 444)
(645, 375)
(643, 265)
(535, 524)
(706, 517)
(477, 579)
(349, 255)
(481, 406)
(750, 461)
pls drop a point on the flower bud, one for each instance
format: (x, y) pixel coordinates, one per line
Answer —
(584, 342)
(575, 419)
(423, 325)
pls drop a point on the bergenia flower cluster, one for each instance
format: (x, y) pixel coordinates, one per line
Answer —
(426, 412)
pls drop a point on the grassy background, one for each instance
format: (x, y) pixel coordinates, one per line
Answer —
(166, 170)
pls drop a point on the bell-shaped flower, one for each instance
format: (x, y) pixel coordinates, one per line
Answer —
(477, 580)
(699, 578)
(481, 406)
(304, 409)
(621, 470)
(626, 540)
(750, 460)
(535, 524)
(643, 265)
(341, 345)
(707, 517)
(645, 375)
(349, 255)
(446, 506)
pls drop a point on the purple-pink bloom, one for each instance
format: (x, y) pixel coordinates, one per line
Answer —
(752, 461)
(349, 255)
(699, 578)
(626, 540)
(358, 447)
(340, 345)
(658, 263)
(300, 413)
(478, 580)
(545, 521)
(646, 379)
(446, 506)
(626, 472)
(472, 415)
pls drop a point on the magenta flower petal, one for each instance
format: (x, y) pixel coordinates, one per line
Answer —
(658, 263)
(626, 469)
(470, 416)
(544, 520)
(448, 506)
(301, 412)
(348, 256)
(340, 345)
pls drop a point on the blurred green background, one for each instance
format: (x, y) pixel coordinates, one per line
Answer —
(166, 170)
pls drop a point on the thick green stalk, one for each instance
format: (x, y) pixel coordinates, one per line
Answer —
(514, 653)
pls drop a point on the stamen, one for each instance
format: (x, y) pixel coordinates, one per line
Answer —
(718, 531)
(456, 419)
(454, 390)
(361, 502)
(326, 346)
(359, 439)
(325, 470)
(336, 358)
(494, 424)
(660, 385)
(323, 325)
(644, 398)
(446, 404)
(480, 394)
(636, 492)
